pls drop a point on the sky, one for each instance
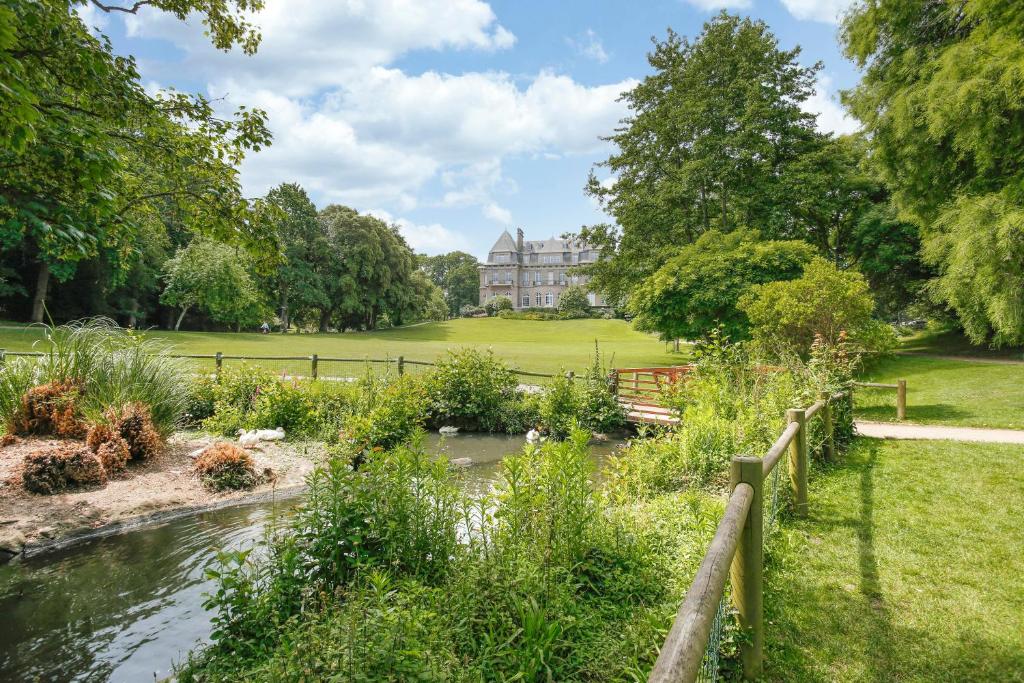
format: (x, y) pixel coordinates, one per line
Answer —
(454, 119)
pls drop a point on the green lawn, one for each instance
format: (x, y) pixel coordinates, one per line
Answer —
(941, 391)
(954, 343)
(908, 569)
(539, 346)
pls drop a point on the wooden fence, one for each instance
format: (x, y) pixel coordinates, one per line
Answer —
(901, 394)
(736, 552)
(300, 367)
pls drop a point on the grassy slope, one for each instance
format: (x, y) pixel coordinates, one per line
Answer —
(953, 343)
(540, 346)
(909, 569)
(940, 391)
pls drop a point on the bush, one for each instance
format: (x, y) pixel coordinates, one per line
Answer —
(470, 389)
(585, 401)
(225, 466)
(471, 311)
(235, 393)
(200, 400)
(49, 409)
(114, 455)
(498, 304)
(285, 404)
(573, 303)
(62, 466)
(396, 413)
(823, 303)
(529, 315)
(134, 425)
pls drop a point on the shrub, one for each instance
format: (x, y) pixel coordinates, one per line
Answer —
(134, 425)
(470, 389)
(200, 400)
(585, 401)
(61, 466)
(283, 404)
(396, 414)
(824, 302)
(225, 466)
(573, 303)
(50, 409)
(235, 394)
(529, 315)
(114, 455)
(498, 304)
(471, 311)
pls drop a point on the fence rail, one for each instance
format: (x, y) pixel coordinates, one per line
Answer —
(300, 367)
(737, 551)
(901, 394)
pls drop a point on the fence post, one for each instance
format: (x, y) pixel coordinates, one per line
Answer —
(901, 399)
(747, 567)
(314, 362)
(219, 360)
(570, 375)
(826, 423)
(798, 461)
(401, 365)
(3, 357)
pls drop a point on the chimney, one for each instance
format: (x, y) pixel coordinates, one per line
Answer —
(519, 240)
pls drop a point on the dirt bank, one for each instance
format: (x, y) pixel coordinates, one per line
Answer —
(162, 484)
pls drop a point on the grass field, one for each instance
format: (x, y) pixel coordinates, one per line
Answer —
(954, 343)
(942, 391)
(908, 569)
(535, 345)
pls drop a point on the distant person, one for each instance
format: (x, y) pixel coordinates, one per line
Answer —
(265, 327)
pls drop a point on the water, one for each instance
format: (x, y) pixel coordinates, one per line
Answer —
(127, 607)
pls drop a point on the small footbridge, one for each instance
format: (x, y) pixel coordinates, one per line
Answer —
(641, 391)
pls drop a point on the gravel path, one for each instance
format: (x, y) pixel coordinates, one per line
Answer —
(888, 430)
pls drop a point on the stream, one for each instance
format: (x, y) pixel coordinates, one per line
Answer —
(128, 607)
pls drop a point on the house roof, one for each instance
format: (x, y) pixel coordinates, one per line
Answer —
(505, 243)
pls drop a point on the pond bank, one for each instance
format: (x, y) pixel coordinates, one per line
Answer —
(158, 489)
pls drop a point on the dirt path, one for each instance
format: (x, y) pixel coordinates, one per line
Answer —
(888, 430)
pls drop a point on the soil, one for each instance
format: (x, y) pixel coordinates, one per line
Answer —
(163, 483)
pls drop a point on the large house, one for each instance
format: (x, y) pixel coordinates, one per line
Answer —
(533, 274)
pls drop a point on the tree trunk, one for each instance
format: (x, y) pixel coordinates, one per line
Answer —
(180, 318)
(325, 319)
(132, 316)
(39, 300)
(285, 320)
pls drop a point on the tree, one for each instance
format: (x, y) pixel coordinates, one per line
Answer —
(824, 303)
(711, 136)
(457, 274)
(212, 277)
(367, 273)
(498, 304)
(940, 100)
(87, 155)
(297, 283)
(573, 303)
(696, 291)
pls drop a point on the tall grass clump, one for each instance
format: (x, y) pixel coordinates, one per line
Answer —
(98, 366)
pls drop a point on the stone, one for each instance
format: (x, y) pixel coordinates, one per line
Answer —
(461, 462)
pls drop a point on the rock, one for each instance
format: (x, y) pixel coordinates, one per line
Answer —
(448, 430)
(461, 462)
(47, 531)
(12, 542)
(598, 437)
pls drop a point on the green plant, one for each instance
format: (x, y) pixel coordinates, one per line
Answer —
(469, 389)
(285, 404)
(200, 400)
(573, 303)
(235, 394)
(396, 413)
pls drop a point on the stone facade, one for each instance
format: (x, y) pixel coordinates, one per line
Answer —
(534, 273)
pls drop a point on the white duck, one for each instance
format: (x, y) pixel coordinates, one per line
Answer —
(533, 436)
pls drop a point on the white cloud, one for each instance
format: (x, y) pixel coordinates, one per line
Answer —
(430, 239)
(308, 45)
(589, 45)
(832, 118)
(711, 5)
(827, 11)
(498, 214)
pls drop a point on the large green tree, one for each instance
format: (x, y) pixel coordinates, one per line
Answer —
(297, 282)
(942, 98)
(696, 291)
(213, 278)
(457, 274)
(87, 156)
(368, 271)
(711, 136)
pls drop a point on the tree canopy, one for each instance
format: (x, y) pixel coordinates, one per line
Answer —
(696, 291)
(941, 100)
(457, 274)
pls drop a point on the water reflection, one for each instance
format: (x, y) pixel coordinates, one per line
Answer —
(126, 607)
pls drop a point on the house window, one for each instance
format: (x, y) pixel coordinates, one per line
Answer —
(592, 299)
(526, 300)
(547, 300)
(551, 277)
(537, 298)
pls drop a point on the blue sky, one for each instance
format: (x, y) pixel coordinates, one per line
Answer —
(454, 119)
